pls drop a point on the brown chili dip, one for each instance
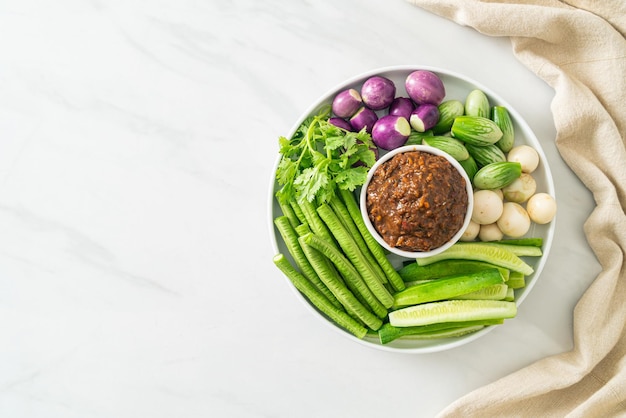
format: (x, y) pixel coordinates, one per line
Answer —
(417, 201)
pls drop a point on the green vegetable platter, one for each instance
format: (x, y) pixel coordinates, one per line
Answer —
(332, 261)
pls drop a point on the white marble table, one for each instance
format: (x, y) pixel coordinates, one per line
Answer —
(137, 140)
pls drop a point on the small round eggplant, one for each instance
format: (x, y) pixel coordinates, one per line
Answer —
(526, 155)
(514, 221)
(378, 92)
(364, 118)
(424, 117)
(490, 232)
(402, 106)
(391, 132)
(522, 189)
(425, 87)
(341, 123)
(541, 208)
(488, 207)
(346, 103)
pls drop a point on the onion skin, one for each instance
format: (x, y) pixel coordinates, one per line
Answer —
(424, 86)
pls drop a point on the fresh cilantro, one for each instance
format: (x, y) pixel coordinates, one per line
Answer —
(321, 157)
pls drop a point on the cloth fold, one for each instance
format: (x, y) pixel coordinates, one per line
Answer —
(578, 47)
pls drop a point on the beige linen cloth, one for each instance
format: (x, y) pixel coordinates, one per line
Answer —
(578, 47)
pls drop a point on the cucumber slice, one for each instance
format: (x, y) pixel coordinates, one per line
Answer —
(413, 272)
(446, 333)
(519, 250)
(494, 292)
(516, 280)
(447, 288)
(480, 251)
(388, 332)
(452, 311)
(535, 241)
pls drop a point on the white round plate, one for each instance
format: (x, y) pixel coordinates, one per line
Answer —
(457, 87)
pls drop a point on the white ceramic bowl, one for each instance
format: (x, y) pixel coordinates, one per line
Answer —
(457, 87)
(417, 254)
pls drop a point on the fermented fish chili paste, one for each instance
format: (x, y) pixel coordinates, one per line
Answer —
(417, 201)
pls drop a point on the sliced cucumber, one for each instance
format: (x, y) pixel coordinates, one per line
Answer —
(452, 311)
(480, 251)
(413, 271)
(516, 280)
(447, 288)
(494, 292)
(519, 250)
(535, 241)
(388, 332)
(446, 333)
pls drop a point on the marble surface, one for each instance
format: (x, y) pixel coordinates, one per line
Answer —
(137, 141)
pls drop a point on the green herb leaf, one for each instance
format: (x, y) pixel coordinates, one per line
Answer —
(310, 181)
(320, 157)
(351, 178)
